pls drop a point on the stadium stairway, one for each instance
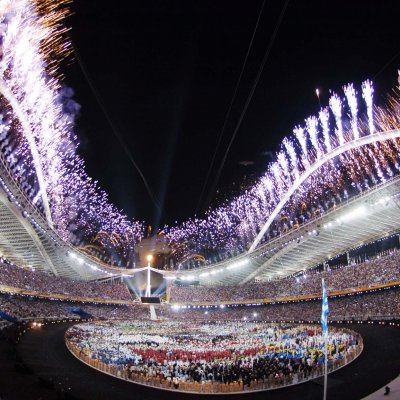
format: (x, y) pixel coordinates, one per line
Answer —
(153, 314)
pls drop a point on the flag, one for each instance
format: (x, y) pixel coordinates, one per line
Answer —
(325, 310)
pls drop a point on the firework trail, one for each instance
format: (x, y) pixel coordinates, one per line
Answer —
(32, 45)
(38, 143)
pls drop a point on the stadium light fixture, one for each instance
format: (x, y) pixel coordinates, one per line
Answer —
(188, 278)
(238, 264)
(356, 213)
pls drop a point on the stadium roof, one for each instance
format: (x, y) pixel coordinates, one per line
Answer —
(365, 218)
(26, 240)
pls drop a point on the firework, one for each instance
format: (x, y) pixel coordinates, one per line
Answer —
(39, 146)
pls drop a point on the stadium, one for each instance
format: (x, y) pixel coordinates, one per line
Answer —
(289, 288)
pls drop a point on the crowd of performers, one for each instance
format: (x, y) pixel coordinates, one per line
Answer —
(220, 352)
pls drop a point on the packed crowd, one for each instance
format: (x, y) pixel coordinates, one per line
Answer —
(223, 352)
(377, 271)
(21, 307)
(40, 282)
(385, 303)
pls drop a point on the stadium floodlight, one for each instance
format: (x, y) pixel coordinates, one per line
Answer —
(188, 278)
(384, 200)
(238, 264)
(356, 213)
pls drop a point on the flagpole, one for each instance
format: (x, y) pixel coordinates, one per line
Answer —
(326, 367)
(324, 320)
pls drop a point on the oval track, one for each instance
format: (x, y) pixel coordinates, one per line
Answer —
(45, 353)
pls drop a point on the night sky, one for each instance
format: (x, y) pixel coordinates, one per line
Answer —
(160, 75)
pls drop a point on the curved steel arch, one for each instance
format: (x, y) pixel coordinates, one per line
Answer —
(353, 144)
(34, 151)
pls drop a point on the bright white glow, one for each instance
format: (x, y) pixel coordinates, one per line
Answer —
(336, 106)
(238, 264)
(312, 124)
(301, 138)
(367, 94)
(324, 119)
(356, 213)
(351, 95)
